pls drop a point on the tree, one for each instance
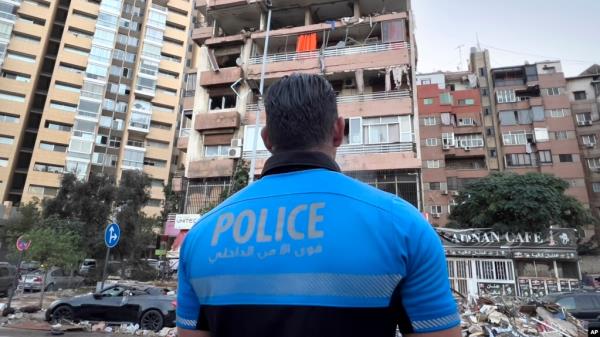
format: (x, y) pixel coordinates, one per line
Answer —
(172, 203)
(512, 202)
(239, 179)
(132, 195)
(26, 218)
(52, 245)
(87, 203)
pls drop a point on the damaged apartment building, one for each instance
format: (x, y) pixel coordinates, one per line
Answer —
(364, 48)
(514, 118)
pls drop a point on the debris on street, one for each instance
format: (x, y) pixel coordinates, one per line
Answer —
(516, 317)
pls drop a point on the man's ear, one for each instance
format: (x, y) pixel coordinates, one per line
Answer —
(338, 131)
(265, 137)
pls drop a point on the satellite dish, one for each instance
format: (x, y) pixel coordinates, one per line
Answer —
(239, 61)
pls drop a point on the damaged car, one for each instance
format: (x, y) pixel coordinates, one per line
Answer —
(150, 307)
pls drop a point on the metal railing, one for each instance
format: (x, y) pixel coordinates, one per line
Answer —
(375, 96)
(352, 149)
(293, 56)
(185, 132)
(375, 148)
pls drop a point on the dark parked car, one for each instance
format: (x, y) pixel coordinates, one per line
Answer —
(150, 307)
(582, 305)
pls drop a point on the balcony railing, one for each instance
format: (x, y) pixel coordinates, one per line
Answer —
(375, 148)
(373, 48)
(352, 149)
(375, 96)
(185, 132)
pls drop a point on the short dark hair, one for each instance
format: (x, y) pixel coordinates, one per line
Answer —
(301, 111)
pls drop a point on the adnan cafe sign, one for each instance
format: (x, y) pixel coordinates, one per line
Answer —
(557, 243)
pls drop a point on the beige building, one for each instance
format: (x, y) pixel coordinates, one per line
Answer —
(365, 49)
(89, 86)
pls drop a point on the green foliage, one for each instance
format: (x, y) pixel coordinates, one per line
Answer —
(53, 246)
(239, 180)
(512, 202)
(87, 203)
(132, 195)
(173, 200)
(26, 219)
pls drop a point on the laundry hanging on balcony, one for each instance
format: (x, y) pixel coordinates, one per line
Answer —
(306, 42)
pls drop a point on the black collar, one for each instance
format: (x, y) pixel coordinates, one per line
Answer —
(290, 161)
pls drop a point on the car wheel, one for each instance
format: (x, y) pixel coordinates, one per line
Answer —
(62, 312)
(50, 287)
(152, 320)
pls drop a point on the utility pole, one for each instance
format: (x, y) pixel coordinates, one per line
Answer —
(261, 100)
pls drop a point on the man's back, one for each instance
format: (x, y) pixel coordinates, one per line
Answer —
(313, 253)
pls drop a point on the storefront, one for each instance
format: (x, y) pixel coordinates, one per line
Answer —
(485, 262)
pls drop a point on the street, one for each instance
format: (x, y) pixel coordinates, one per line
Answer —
(4, 332)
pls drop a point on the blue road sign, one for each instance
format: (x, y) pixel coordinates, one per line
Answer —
(112, 234)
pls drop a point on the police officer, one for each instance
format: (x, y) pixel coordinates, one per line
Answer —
(308, 251)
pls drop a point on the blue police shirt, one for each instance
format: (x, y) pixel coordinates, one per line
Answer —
(313, 253)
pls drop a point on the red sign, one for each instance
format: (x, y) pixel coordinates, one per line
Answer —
(23, 244)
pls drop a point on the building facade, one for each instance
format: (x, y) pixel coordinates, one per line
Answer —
(584, 94)
(452, 138)
(365, 48)
(91, 86)
(515, 119)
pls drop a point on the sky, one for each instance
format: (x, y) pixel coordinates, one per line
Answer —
(514, 31)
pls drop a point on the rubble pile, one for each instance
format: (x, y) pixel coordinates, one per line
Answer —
(122, 329)
(508, 317)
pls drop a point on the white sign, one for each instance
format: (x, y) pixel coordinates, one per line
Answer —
(186, 221)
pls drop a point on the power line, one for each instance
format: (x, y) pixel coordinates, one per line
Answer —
(537, 55)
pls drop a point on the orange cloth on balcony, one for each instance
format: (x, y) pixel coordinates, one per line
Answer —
(307, 42)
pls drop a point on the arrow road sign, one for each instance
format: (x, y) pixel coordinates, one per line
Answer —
(112, 234)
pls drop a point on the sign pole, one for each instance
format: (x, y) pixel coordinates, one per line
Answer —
(105, 267)
(112, 234)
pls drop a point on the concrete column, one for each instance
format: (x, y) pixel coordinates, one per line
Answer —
(360, 81)
(388, 79)
(356, 9)
(308, 19)
(263, 21)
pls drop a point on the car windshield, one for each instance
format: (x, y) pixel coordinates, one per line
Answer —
(113, 292)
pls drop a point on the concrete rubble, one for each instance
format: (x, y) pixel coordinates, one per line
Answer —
(515, 317)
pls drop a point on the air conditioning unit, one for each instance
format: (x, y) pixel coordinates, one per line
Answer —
(349, 83)
(444, 192)
(466, 148)
(235, 152)
(588, 123)
(435, 215)
(446, 147)
(455, 193)
(236, 142)
(590, 145)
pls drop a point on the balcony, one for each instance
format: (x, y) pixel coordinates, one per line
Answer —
(218, 120)
(222, 76)
(201, 34)
(182, 141)
(210, 168)
(383, 103)
(349, 149)
(334, 59)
